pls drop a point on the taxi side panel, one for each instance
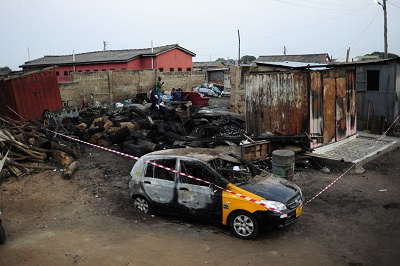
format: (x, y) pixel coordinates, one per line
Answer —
(232, 203)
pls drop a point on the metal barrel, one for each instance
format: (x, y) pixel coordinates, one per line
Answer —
(283, 164)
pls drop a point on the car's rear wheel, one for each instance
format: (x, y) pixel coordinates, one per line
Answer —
(244, 225)
(143, 205)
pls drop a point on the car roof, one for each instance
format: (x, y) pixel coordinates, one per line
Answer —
(203, 154)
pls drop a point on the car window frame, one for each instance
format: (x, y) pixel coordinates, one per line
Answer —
(222, 182)
(154, 160)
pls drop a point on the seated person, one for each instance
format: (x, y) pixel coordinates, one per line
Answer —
(176, 94)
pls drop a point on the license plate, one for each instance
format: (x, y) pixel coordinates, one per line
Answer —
(299, 211)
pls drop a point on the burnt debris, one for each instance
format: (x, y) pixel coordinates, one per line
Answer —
(135, 129)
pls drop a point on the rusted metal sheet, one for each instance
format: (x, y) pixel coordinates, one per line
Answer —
(317, 102)
(351, 116)
(329, 109)
(316, 107)
(277, 102)
(341, 112)
(29, 94)
(341, 108)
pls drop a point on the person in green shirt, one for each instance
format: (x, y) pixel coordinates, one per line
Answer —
(159, 90)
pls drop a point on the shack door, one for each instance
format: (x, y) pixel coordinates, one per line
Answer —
(329, 110)
(335, 107)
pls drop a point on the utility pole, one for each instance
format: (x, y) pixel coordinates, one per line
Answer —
(152, 56)
(385, 28)
(104, 45)
(239, 49)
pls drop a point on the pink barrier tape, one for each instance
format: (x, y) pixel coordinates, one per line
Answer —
(172, 170)
(334, 181)
(328, 186)
(384, 133)
(204, 181)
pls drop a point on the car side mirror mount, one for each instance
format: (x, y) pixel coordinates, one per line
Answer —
(213, 187)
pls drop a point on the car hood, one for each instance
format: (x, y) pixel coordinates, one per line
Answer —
(272, 188)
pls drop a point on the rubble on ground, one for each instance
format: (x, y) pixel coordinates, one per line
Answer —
(135, 129)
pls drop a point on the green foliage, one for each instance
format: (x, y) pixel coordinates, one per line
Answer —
(382, 54)
(247, 59)
(5, 69)
(221, 60)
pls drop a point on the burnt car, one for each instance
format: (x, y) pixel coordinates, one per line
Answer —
(225, 189)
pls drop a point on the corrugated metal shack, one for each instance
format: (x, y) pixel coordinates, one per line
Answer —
(219, 76)
(294, 98)
(29, 94)
(378, 93)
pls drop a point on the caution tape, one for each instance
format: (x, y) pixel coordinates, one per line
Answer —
(201, 180)
(328, 186)
(172, 170)
(162, 166)
(384, 133)
(334, 181)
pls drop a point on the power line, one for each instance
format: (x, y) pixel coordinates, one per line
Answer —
(354, 42)
(316, 2)
(302, 28)
(290, 31)
(394, 5)
(323, 8)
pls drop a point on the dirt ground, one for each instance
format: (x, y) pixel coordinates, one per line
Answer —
(90, 220)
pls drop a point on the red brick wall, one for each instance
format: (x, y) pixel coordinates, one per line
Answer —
(173, 59)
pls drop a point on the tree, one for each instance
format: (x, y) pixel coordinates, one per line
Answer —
(221, 60)
(5, 69)
(381, 54)
(247, 59)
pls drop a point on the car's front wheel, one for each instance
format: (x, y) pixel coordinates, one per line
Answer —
(244, 225)
(143, 205)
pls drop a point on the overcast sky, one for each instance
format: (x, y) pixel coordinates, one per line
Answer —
(207, 28)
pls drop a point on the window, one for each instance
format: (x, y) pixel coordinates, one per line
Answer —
(171, 69)
(87, 70)
(95, 70)
(189, 69)
(57, 73)
(161, 69)
(123, 68)
(70, 72)
(373, 80)
(79, 70)
(161, 173)
(179, 69)
(104, 70)
(65, 73)
(112, 69)
(197, 170)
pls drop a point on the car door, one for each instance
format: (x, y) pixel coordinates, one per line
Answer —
(159, 183)
(195, 197)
